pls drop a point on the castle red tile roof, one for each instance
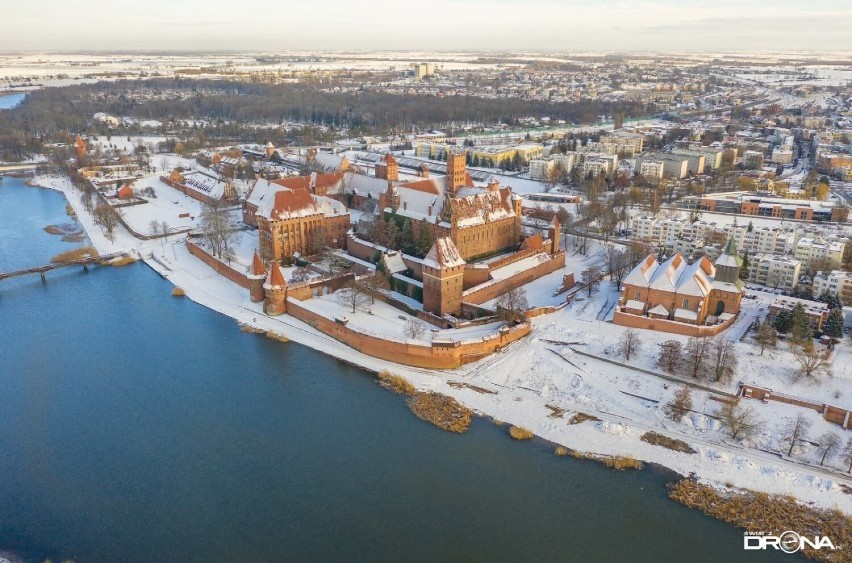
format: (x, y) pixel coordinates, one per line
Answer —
(257, 267)
(304, 182)
(276, 278)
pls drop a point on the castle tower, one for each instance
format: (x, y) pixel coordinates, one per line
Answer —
(389, 198)
(443, 278)
(256, 277)
(553, 232)
(456, 172)
(388, 168)
(275, 289)
(728, 264)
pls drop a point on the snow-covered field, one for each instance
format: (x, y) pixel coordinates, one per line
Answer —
(547, 368)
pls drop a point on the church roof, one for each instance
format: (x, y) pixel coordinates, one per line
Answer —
(729, 256)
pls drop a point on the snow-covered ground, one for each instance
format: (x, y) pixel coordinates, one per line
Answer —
(547, 368)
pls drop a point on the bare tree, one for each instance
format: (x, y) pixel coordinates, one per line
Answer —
(796, 430)
(86, 200)
(766, 337)
(696, 355)
(629, 343)
(215, 224)
(739, 420)
(353, 295)
(670, 355)
(154, 227)
(591, 278)
(107, 217)
(723, 354)
(828, 445)
(414, 329)
(513, 304)
(375, 285)
(680, 404)
(847, 455)
(618, 262)
(812, 360)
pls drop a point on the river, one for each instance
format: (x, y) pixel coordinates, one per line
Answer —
(135, 426)
(8, 101)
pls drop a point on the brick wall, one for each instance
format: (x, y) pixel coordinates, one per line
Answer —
(664, 325)
(221, 268)
(497, 288)
(831, 413)
(438, 355)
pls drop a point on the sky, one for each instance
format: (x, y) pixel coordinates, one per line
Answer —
(488, 25)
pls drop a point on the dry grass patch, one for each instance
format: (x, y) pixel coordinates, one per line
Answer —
(561, 451)
(178, 292)
(462, 385)
(582, 417)
(122, 260)
(70, 210)
(395, 383)
(519, 433)
(442, 411)
(74, 254)
(617, 462)
(770, 513)
(659, 440)
(555, 412)
(250, 329)
(276, 336)
(54, 230)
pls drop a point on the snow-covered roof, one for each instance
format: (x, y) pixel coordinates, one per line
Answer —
(443, 254)
(658, 310)
(674, 275)
(634, 304)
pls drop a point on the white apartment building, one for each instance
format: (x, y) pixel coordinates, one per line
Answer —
(836, 282)
(808, 249)
(568, 161)
(651, 168)
(540, 168)
(655, 230)
(782, 156)
(752, 160)
(777, 272)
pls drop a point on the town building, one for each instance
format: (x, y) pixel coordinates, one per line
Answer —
(777, 272)
(817, 312)
(835, 282)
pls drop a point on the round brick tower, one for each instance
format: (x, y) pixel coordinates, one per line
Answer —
(275, 290)
(256, 277)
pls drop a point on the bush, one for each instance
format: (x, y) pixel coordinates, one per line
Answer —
(520, 433)
(561, 451)
(178, 292)
(395, 383)
(442, 411)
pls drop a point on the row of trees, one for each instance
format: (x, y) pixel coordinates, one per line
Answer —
(741, 421)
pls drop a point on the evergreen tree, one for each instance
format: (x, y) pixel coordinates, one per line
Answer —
(834, 323)
(406, 240)
(744, 269)
(832, 301)
(800, 325)
(782, 321)
(424, 239)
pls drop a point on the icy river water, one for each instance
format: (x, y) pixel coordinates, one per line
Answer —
(135, 426)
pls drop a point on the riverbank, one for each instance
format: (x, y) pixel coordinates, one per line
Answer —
(611, 435)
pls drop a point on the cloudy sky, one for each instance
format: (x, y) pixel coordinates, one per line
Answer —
(560, 25)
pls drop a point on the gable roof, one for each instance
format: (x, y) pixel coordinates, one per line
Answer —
(443, 254)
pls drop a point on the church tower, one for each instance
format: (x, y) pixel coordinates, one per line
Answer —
(728, 264)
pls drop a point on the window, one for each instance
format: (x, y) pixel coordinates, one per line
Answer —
(686, 303)
(637, 296)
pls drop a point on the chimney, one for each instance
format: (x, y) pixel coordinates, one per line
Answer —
(424, 171)
(313, 181)
(404, 205)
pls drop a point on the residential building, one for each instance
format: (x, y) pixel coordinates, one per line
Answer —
(835, 282)
(817, 312)
(777, 272)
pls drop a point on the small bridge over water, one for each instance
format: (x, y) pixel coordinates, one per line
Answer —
(84, 262)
